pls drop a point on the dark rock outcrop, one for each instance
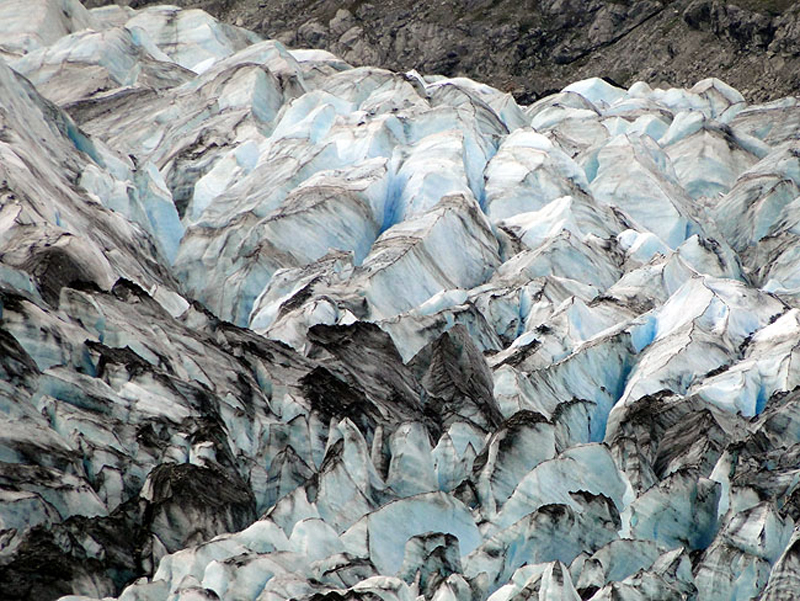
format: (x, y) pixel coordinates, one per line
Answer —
(534, 48)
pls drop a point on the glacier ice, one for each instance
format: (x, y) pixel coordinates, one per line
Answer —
(274, 327)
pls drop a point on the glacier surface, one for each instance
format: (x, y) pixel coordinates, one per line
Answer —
(277, 327)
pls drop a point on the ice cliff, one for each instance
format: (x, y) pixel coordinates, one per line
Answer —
(273, 327)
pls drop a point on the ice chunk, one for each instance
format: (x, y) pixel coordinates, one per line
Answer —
(551, 533)
(403, 254)
(527, 173)
(587, 467)
(411, 468)
(596, 91)
(634, 175)
(27, 26)
(192, 38)
(708, 162)
(688, 519)
(383, 533)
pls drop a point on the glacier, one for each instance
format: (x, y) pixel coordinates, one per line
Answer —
(273, 326)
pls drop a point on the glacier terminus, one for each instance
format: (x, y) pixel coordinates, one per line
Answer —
(274, 326)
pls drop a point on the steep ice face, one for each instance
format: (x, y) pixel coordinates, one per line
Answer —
(29, 26)
(707, 161)
(527, 172)
(191, 38)
(275, 327)
(100, 61)
(704, 313)
(634, 175)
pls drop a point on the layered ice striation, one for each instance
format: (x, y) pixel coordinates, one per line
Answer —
(277, 327)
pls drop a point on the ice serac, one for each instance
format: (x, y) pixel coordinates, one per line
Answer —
(783, 578)
(277, 327)
(404, 252)
(430, 559)
(527, 172)
(191, 38)
(541, 581)
(382, 534)
(553, 532)
(30, 26)
(516, 447)
(633, 174)
(738, 563)
(359, 354)
(457, 380)
(587, 468)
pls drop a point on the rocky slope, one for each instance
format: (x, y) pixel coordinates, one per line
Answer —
(274, 327)
(534, 48)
